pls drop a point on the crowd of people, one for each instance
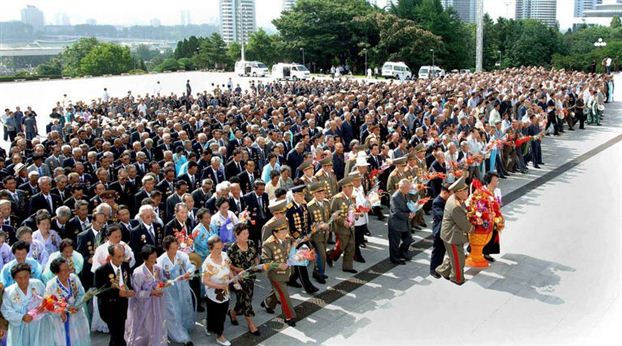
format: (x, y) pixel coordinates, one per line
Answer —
(161, 206)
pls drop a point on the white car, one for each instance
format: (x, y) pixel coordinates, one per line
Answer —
(290, 71)
(397, 70)
(251, 69)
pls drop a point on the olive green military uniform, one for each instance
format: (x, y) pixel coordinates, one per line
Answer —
(328, 178)
(454, 233)
(319, 214)
(274, 250)
(277, 207)
(341, 205)
(396, 175)
(306, 179)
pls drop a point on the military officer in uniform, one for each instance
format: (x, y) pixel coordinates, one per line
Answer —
(419, 171)
(276, 250)
(396, 175)
(326, 175)
(319, 215)
(341, 205)
(277, 209)
(299, 229)
(307, 176)
(454, 230)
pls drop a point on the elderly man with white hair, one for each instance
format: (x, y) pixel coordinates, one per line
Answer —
(44, 199)
(147, 232)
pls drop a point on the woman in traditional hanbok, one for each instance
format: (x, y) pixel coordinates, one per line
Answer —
(66, 251)
(179, 313)
(145, 324)
(202, 232)
(19, 299)
(224, 221)
(100, 258)
(47, 236)
(72, 329)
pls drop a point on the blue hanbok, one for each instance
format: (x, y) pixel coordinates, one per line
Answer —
(15, 305)
(75, 331)
(200, 235)
(179, 313)
(75, 265)
(7, 279)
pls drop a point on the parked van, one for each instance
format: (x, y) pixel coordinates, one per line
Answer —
(425, 72)
(290, 71)
(251, 69)
(397, 70)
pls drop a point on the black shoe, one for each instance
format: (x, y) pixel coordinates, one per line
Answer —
(359, 259)
(234, 322)
(311, 289)
(489, 258)
(423, 224)
(536, 167)
(330, 241)
(381, 218)
(398, 262)
(329, 261)
(200, 308)
(406, 259)
(293, 284)
(368, 233)
(325, 276)
(503, 177)
(189, 343)
(353, 271)
(320, 280)
(417, 227)
(435, 274)
(268, 310)
(363, 245)
(255, 333)
(291, 322)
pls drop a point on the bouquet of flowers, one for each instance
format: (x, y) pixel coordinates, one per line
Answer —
(301, 256)
(51, 304)
(245, 217)
(480, 209)
(436, 175)
(184, 240)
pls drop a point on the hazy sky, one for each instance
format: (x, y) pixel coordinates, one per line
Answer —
(128, 12)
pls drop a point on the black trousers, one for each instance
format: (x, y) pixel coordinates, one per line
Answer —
(116, 326)
(438, 252)
(359, 237)
(399, 242)
(216, 315)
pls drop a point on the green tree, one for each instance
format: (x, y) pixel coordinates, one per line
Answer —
(169, 64)
(615, 22)
(324, 29)
(72, 56)
(535, 46)
(107, 58)
(234, 53)
(263, 47)
(51, 68)
(404, 8)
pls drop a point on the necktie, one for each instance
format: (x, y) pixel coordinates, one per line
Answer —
(215, 176)
(49, 198)
(251, 179)
(7, 222)
(191, 181)
(151, 233)
(260, 206)
(40, 172)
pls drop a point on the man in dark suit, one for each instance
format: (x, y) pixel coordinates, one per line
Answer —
(400, 217)
(113, 303)
(213, 171)
(180, 188)
(126, 223)
(79, 223)
(180, 223)
(44, 199)
(438, 247)
(192, 178)
(148, 182)
(88, 241)
(147, 232)
(235, 166)
(167, 185)
(202, 194)
(125, 190)
(257, 203)
(236, 200)
(248, 177)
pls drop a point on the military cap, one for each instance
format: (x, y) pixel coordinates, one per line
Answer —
(304, 165)
(278, 206)
(297, 189)
(354, 175)
(419, 148)
(326, 161)
(347, 181)
(317, 187)
(400, 161)
(411, 156)
(279, 225)
(458, 185)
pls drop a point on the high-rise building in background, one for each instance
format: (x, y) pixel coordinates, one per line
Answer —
(62, 19)
(288, 4)
(464, 8)
(33, 16)
(237, 20)
(581, 5)
(605, 9)
(155, 22)
(185, 18)
(542, 10)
